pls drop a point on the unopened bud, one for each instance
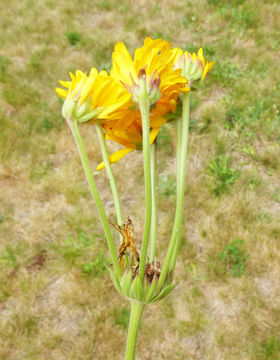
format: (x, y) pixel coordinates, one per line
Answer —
(146, 86)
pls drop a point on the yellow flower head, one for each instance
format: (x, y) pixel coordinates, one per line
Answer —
(151, 71)
(93, 97)
(193, 66)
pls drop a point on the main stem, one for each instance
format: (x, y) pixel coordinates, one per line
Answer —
(145, 112)
(154, 206)
(110, 174)
(93, 189)
(134, 322)
(181, 189)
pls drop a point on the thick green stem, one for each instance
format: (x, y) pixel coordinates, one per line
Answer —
(110, 174)
(181, 188)
(134, 322)
(154, 206)
(145, 112)
(93, 189)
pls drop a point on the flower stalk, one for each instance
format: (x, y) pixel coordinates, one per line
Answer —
(180, 193)
(110, 174)
(144, 106)
(134, 322)
(73, 125)
(154, 206)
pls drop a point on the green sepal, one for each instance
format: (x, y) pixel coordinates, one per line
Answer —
(89, 116)
(164, 292)
(136, 289)
(126, 283)
(80, 111)
(150, 291)
(68, 108)
(115, 280)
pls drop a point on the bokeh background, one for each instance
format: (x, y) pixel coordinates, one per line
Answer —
(56, 298)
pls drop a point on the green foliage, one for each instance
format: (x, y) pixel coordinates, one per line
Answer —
(166, 185)
(221, 174)
(9, 258)
(74, 246)
(96, 267)
(79, 249)
(226, 72)
(232, 117)
(164, 140)
(47, 124)
(270, 348)
(121, 317)
(234, 257)
(1, 218)
(40, 171)
(73, 37)
(223, 2)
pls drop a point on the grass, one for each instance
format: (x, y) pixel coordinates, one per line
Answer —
(234, 257)
(221, 174)
(54, 284)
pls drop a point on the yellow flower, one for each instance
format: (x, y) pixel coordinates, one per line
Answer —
(193, 66)
(151, 71)
(93, 97)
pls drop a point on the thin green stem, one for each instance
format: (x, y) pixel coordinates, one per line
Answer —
(178, 151)
(154, 205)
(93, 189)
(110, 174)
(178, 154)
(181, 188)
(134, 322)
(145, 112)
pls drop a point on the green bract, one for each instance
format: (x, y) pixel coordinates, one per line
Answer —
(131, 287)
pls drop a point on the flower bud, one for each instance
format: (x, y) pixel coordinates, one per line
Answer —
(146, 86)
(193, 66)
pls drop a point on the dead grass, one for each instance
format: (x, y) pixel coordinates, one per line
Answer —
(50, 307)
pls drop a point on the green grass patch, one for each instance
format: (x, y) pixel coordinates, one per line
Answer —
(222, 176)
(166, 186)
(73, 37)
(121, 317)
(234, 257)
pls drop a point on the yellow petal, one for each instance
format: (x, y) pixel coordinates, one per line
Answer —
(153, 134)
(210, 65)
(61, 92)
(115, 157)
(66, 84)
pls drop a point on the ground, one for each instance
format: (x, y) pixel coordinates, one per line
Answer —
(56, 298)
